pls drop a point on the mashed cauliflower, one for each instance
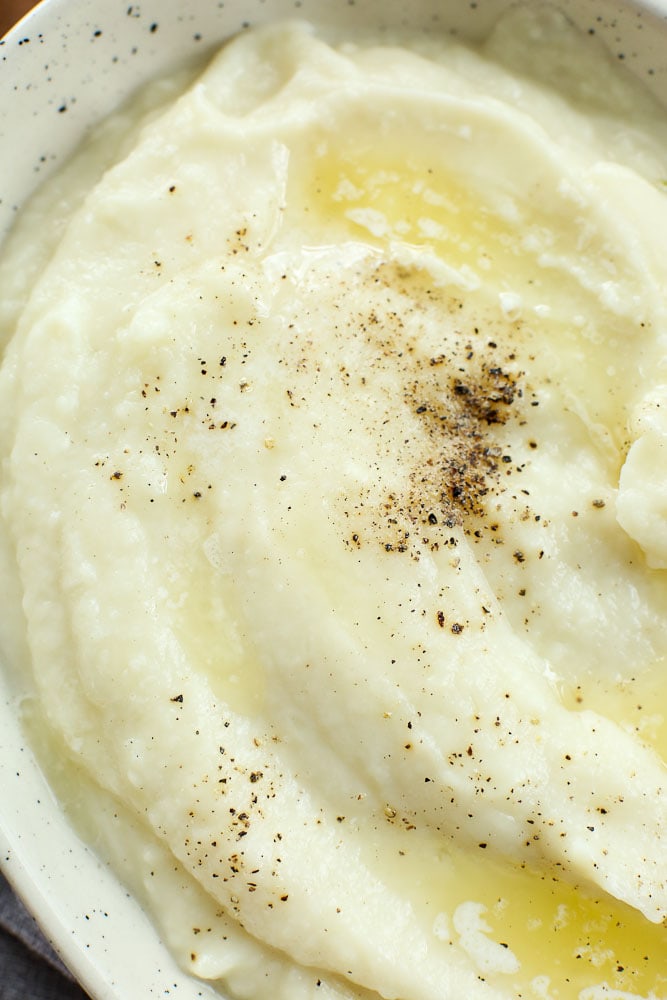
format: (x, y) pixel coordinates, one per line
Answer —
(333, 426)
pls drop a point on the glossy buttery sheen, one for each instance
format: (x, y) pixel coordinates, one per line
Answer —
(333, 423)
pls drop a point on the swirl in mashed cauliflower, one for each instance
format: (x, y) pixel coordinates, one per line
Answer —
(333, 426)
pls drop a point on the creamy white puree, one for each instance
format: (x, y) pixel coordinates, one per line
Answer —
(333, 426)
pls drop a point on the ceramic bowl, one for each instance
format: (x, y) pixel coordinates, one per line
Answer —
(63, 68)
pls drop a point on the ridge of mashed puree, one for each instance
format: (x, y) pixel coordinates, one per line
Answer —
(333, 421)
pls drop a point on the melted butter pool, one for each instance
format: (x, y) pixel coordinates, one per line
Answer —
(497, 246)
(564, 938)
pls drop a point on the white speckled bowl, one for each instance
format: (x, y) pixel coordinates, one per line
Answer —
(62, 68)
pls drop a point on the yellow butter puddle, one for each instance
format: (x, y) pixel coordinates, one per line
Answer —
(388, 194)
(565, 939)
(637, 703)
(544, 267)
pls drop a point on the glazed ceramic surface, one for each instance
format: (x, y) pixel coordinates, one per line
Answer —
(64, 67)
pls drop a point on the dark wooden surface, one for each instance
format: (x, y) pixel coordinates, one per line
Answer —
(11, 11)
